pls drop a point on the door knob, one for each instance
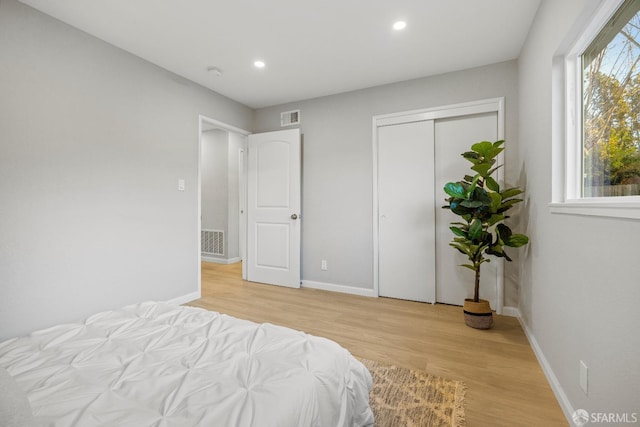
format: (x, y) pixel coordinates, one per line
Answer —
(294, 216)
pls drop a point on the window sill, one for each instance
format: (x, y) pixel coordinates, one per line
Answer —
(602, 208)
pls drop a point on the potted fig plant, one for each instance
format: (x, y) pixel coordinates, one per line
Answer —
(482, 206)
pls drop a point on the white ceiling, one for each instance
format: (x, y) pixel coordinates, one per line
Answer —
(311, 48)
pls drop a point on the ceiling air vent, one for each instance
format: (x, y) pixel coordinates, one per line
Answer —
(290, 118)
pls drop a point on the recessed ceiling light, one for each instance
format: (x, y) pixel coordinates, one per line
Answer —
(259, 64)
(400, 25)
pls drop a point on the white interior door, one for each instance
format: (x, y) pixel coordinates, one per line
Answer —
(406, 232)
(454, 136)
(273, 208)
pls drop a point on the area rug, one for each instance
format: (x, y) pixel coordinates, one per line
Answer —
(406, 397)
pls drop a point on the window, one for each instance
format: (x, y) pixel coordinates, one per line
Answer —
(611, 107)
(597, 133)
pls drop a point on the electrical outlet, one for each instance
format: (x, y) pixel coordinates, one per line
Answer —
(323, 265)
(584, 377)
(181, 185)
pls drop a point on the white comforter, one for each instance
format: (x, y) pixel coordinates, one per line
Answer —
(155, 364)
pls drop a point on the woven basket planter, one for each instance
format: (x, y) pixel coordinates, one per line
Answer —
(477, 315)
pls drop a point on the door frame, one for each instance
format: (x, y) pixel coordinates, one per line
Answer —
(242, 184)
(492, 105)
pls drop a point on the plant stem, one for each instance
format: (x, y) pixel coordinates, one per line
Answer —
(476, 291)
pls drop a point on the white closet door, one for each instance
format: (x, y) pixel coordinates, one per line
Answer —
(454, 136)
(406, 232)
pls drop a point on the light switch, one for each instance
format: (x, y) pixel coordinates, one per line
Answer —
(181, 185)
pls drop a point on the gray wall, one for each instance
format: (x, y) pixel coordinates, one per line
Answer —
(93, 141)
(214, 176)
(338, 163)
(580, 280)
(236, 142)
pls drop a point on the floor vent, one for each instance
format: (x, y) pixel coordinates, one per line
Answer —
(290, 118)
(212, 242)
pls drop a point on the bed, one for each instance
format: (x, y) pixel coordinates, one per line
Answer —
(156, 364)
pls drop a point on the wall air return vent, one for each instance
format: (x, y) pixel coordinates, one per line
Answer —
(290, 118)
(212, 242)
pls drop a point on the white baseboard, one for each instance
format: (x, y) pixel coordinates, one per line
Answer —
(185, 298)
(338, 288)
(220, 260)
(561, 396)
(511, 311)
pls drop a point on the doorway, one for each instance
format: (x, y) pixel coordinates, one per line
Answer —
(221, 194)
(249, 193)
(415, 154)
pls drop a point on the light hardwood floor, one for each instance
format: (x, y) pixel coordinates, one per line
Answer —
(506, 386)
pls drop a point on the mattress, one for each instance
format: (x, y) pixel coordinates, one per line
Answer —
(156, 364)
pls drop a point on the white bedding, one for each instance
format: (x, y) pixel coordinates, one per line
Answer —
(154, 364)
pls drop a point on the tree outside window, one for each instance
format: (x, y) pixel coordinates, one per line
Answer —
(611, 107)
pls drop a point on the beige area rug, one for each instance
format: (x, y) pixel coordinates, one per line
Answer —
(406, 397)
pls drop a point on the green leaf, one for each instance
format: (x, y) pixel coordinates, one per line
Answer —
(458, 232)
(510, 192)
(483, 246)
(472, 204)
(496, 201)
(516, 240)
(492, 184)
(475, 229)
(462, 248)
(497, 248)
(493, 152)
(486, 238)
(469, 266)
(458, 209)
(494, 169)
(498, 143)
(474, 158)
(481, 168)
(482, 195)
(473, 186)
(482, 147)
(504, 232)
(455, 189)
(509, 203)
(494, 219)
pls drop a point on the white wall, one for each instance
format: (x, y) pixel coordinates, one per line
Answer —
(93, 141)
(337, 162)
(580, 285)
(214, 176)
